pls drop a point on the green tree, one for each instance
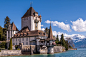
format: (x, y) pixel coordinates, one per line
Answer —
(10, 46)
(46, 30)
(3, 44)
(6, 22)
(4, 34)
(57, 40)
(1, 33)
(63, 42)
(6, 25)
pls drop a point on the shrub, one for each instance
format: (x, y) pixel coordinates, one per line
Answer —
(18, 49)
(3, 44)
(10, 47)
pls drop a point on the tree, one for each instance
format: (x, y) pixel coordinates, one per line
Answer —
(63, 42)
(6, 25)
(46, 30)
(57, 40)
(1, 33)
(3, 44)
(10, 46)
(6, 22)
(54, 36)
(4, 34)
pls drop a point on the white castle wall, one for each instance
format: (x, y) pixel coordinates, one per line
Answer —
(29, 21)
(26, 22)
(10, 52)
(16, 41)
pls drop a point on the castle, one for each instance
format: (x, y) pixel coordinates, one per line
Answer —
(31, 37)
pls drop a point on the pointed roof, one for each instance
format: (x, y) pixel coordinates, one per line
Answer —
(25, 29)
(29, 12)
(14, 27)
(50, 35)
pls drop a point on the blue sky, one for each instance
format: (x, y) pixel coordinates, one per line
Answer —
(66, 12)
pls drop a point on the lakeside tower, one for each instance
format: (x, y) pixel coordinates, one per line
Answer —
(31, 19)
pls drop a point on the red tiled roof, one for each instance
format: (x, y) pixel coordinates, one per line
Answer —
(14, 27)
(50, 35)
(26, 33)
(30, 12)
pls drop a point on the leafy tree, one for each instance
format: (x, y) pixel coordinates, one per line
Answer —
(6, 22)
(10, 46)
(3, 44)
(6, 25)
(63, 42)
(4, 34)
(66, 45)
(57, 40)
(54, 37)
(1, 33)
(46, 30)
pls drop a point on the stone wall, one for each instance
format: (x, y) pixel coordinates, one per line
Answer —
(28, 48)
(58, 49)
(10, 52)
(43, 50)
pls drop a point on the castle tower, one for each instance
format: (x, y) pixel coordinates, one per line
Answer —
(12, 29)
(31, 19)
(50, 42)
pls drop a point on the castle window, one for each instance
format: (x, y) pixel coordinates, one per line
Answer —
(16, 39)
(27, 33)
(20, 34)
(47, 41)
(40, 33)
(43, 33)
(23, 43)
(41, 41)
(13, 43)
(26, 39)
(22, 39)
(26, 43)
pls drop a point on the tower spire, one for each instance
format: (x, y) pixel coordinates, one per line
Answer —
(50, 21)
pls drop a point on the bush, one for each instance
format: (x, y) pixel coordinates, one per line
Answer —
(3, 44)
(0, 50)
(18, 49)
(10, 47)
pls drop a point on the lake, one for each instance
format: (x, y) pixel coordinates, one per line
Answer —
(80, 52)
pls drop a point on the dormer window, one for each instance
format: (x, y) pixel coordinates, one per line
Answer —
(20, 34)
(43, 33)
(40, 33)
(27, 33)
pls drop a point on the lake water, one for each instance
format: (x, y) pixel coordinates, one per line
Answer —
(81, 52)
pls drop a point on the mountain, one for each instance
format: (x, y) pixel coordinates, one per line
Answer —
(79, 40)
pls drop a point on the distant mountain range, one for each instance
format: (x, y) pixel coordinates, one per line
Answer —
(79, 40)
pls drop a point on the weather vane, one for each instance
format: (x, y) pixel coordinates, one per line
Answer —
(31, 4)
(50, 21)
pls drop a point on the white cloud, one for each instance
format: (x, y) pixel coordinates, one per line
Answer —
(61, 25)
(79, 25)
(43, 29)
(74, 37)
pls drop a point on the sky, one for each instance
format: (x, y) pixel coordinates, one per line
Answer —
(66, 16)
